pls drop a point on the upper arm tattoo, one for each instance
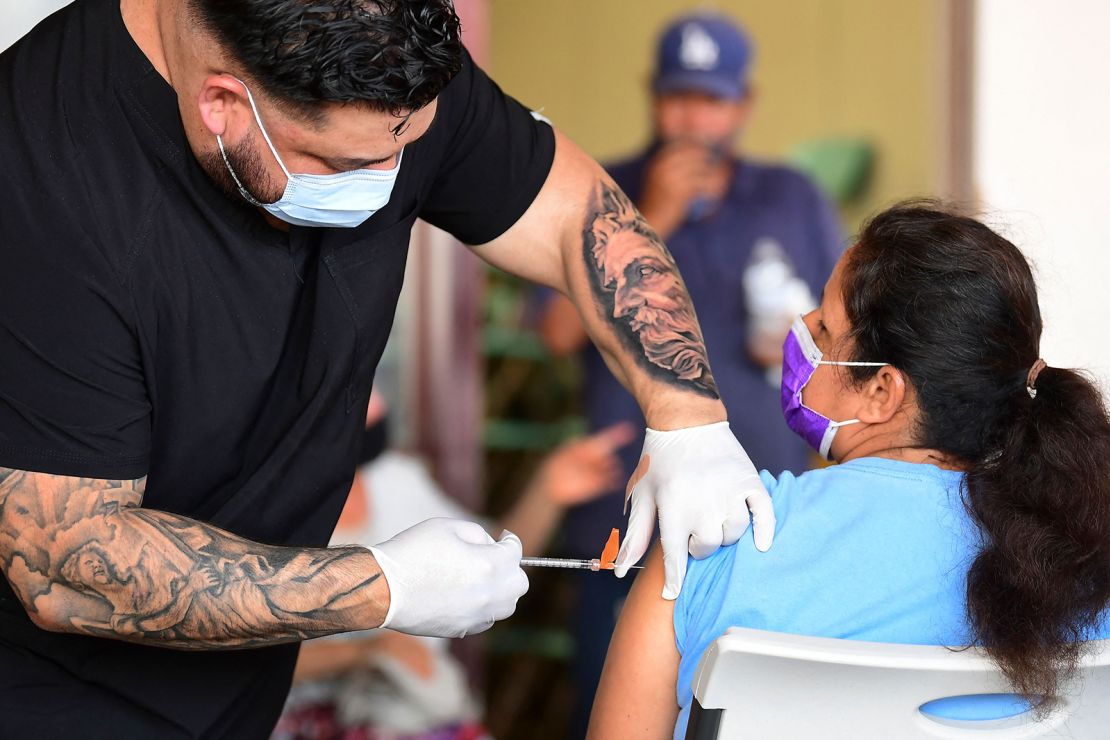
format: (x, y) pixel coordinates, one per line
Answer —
(640, 292)
(82, 552)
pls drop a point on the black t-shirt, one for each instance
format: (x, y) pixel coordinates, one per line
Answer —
(150, 325)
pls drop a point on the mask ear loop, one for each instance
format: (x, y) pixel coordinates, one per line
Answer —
(814, 354)
(852, 364)
(262, 128)
(838, 424)
(227, 163)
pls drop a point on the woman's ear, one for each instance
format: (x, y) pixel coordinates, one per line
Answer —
(882, 396)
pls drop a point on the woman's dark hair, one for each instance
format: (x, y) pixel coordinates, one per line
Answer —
(953, 305)
(390, 55)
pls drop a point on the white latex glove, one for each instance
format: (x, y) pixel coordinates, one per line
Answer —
(702, 484)
(448, 578)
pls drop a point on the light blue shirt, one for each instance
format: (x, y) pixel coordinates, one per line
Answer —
(873, 550)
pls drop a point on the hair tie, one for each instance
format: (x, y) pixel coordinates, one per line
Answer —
(1031, 379)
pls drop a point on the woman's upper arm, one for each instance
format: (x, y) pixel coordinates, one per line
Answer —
(636, 696)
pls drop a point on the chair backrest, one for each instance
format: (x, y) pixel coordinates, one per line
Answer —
(757, 684)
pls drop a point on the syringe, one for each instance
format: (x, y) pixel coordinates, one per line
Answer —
(594, 564)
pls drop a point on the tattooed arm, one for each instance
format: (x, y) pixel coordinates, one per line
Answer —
(84, 558)
(584, 237)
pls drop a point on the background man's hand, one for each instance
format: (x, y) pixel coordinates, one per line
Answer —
(677, 174)
(583, 469)
(680, 173)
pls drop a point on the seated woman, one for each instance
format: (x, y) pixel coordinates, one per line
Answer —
(971, 504)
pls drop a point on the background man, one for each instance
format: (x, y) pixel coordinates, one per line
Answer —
(207, 206)
(721, 215)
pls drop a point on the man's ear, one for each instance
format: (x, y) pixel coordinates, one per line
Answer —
(224, 108)
(882, 396)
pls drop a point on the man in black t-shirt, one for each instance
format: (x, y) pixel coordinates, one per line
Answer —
(205, 215)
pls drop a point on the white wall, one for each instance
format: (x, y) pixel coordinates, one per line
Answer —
(1042, 160)
(17, 17)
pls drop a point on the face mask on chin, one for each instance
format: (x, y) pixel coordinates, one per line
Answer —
(342, 200)
(800, 359)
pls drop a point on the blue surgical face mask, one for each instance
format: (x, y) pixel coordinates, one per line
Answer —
(343, 200)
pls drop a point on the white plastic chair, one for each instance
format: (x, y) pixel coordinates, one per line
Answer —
(765, 685)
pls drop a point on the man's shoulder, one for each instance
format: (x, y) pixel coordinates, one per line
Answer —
(58, 104)
(75, 194)
(70, 50)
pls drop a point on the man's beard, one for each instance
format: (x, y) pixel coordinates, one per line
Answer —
(247, 162)
(671, 341)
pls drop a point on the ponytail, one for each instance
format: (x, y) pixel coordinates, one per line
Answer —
(1042, 503)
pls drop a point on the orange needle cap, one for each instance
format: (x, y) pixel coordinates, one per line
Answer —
(609, 554)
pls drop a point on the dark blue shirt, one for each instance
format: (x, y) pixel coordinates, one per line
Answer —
(764, 201)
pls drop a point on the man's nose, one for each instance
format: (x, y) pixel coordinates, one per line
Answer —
(626, 301)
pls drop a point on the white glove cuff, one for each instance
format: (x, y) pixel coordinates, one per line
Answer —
(675, 432)
(394, 596)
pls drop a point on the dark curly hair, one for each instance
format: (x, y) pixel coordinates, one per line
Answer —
(390, 55)
(953, 305)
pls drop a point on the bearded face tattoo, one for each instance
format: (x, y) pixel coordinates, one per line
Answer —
(639, 289)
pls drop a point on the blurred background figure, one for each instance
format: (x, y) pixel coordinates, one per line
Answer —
(755, 242)
(382, 683)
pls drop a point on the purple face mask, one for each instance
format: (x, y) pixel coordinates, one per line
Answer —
(800, 358)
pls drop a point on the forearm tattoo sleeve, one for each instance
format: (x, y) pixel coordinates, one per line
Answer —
(84, 558)
(640, 292)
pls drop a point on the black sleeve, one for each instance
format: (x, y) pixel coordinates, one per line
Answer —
(73, 399)
(495, 161)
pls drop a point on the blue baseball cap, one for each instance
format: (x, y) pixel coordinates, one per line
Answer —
(705, 53)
